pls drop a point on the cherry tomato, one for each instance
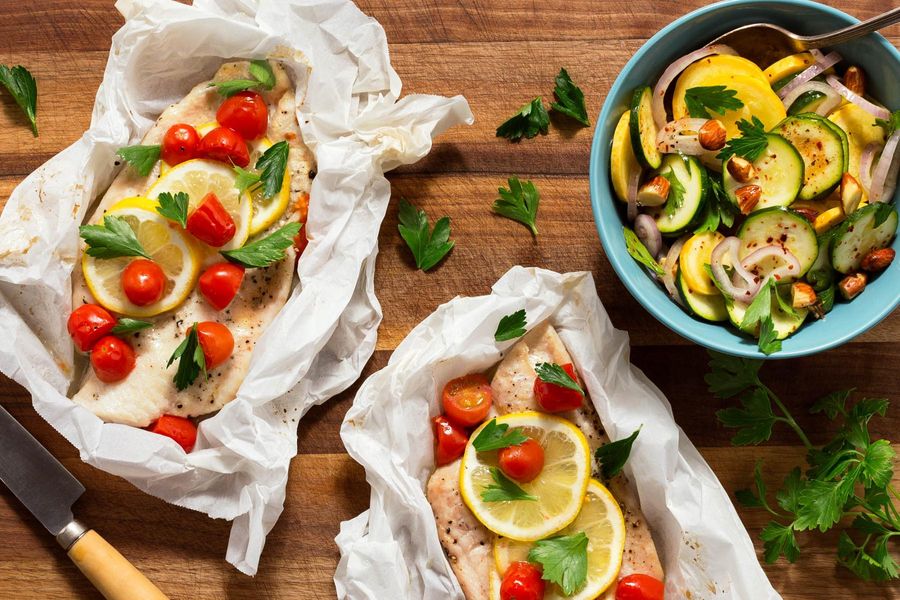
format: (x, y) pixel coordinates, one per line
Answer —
(301, 241)
(224, 145)
(143, 281)
(216, 341)
(181, 143)
(245, 113)
(220, 283)
(555, 398)
(523, 462)
(211, 223)
(112, 359)
(87, 324)
(640, 587)
(179, 429)
(522, 581)
(451, 441)
(467, 399)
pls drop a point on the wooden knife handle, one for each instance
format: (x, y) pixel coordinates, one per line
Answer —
(110, 572)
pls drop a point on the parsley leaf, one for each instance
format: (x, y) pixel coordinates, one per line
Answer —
(754, 420)
(260, 71)
(719, 210)
(428, 246)
(564, 560)
(676, 193)
(760, 313)
(129, 325)
(511, 327)
(174, 208)
(639, 252)
(265, 251)
(731, 375)
(504, 489)
(191, 361)
(113, 239)
(23, 88)
(882, 212)
(768, 342)
(555, 374)
(519, 203)
(528, 122)
(779, 541)
(495, 436)
(750, 144)
(272, 166)
(833, 404)
(613, 456)
(717, 98)
(890, 125)
(570, 99)
(245, 180)
(141, 158)
(233, 86)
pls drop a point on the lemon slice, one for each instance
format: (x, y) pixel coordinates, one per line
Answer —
(559, 488)
(169, 247)
(602, 522)
(199, 177)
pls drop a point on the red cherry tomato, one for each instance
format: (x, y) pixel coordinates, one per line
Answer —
(220, 283)
(523, 462)
(181, 143)
(640, 587)
(467, 399)
(245, 113)
(522, 581)
(216, 341)
(112, 359)
(87, 324)
(555, 398)
(451, 441)
(224, 145)
(143, 281)
(211, 223)
(301, 241)
(179, 429)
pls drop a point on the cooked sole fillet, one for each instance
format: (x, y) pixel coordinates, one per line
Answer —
(149, 392)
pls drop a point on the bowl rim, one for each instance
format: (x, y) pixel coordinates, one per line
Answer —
(616, 254)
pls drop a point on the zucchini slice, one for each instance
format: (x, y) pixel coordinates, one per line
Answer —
(782, 227)
(643, 129)
(785, 323)
(824, 149)
(859, 235)
(779, 174)
(807, 102)
(710, 307)
(687, 199)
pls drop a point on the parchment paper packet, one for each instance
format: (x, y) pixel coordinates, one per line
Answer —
(392, 550)
(350, 118)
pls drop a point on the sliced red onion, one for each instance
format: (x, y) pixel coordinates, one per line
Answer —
(648, 232)
(865, 164)
(710, 160)
(873, 109)
(631, 194)
(790, 268)
(831, 102)
(672, 71)
(669, 266)
(681, 136)
(884, 178)
(742, 293)
(823, 63)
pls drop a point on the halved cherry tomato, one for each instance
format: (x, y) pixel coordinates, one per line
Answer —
(216, 341)
(181, 143)
(522, 581)
(179, 429)
(220, 283)
(555, 398)
(112, 359)
(143, 281)
(451, 441)
(245, 113)
(87, 324)
(467, 399)
(211, 223)
(301, 241)
(640, 587)
(224, 145)
(523, 462)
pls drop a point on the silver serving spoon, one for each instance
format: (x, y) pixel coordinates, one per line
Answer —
(763, 43)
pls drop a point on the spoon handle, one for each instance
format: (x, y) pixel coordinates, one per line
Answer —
(854, 31)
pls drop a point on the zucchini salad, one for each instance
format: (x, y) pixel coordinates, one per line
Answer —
(761, 196)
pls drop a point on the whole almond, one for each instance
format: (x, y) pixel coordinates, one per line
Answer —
(741, 169)
(855, 80)
(878, 260)
(748, 197)
(712, 135)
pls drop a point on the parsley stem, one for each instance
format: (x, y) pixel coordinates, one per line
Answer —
(788, 417)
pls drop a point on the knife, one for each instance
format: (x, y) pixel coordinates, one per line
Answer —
(48, 490)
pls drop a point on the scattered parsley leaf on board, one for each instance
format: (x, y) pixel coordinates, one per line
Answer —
(263, 77)
(564, 560)
(754, 420)
(272, 166)
(191, 361)
(113, 239)
(890, 125)
(141, 158)
(613, 456)
(129, 325)
(639, 252)
(23, 88)
(731, 375)
(519, 203)
(495, 436)
(511, 326)
(428, 246)
(174, 207)
(716, 98)
(570, 99)
(528, 122)
(265, 251)
(750, 144)
(504, 489)
(555, 374)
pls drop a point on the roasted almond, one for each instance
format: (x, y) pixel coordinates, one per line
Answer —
(712, 135)
(654, 193)
(852, 285)
(807, 213)
(802, 295)
(748, 197)
(878, 260)
(855, 80)
(741, 169)
(851, 193)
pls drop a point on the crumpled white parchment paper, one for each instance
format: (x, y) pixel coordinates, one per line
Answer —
(392, 550)
(351, 118)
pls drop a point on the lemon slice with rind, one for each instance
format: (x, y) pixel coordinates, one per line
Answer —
(559, 488)
(167, 245)
(602, 522)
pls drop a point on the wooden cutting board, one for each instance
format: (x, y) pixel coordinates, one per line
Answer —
(499, 54)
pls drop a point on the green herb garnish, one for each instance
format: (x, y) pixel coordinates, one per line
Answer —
(191, 361)
(750, 144)
(272, 166)
(890, 125)
(260, 71)
(716, 98)
(564, 560)
(719, 210)
(23, 88)
(528, 122)
(496, 436)
(519, 203)
(113, 239)
(639, 252)
(265, 251)
(555, 374)
(570, 99)
(129, 325)
(141, 158)
(504, 489)
(511, 327)
(613, 456)
(174, 207)
(759, 313)
(428, 246)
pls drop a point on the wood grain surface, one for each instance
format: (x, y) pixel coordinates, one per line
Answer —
(499, 54)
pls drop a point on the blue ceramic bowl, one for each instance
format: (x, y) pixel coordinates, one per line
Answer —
(881, 62)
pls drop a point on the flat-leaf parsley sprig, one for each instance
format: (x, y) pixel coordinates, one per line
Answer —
(511, 326)
(716, 98)
(20, 84)
(428, 246)
(519, 203)
(569, 99)
(528, 122)
(751, 143)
